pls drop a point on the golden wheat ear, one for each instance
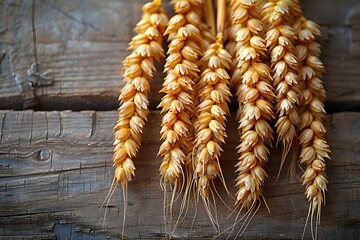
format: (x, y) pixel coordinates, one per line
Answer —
(255, 95)
(280, 38)
(139, 67)
(182, 70)
(214, 94)
(314, 150)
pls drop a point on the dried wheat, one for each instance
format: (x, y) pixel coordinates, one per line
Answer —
(257, 97)
(280, 42)
(181, 68)
(212, 110)
(233, 47)
(139, 66)
(314, 149)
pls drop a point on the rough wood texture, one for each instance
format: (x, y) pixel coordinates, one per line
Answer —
(84, 42)
(354, 22)
(55, 170)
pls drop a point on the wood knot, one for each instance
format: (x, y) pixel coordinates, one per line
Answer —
(44, 154)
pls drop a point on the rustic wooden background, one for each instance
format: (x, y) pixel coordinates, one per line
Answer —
(56, 140)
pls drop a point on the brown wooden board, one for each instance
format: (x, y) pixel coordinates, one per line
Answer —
(83, 44)
(56, 169)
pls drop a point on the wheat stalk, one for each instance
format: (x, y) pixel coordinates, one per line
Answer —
(139, 67)
(311, 131)
(212, 110)
(182, 69)
(257, 97)
(280, 41)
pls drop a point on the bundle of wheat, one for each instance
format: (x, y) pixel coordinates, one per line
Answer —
(275, 73)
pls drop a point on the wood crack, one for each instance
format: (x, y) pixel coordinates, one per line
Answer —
(61, 124)
(34, 34)
(2, 127)
(93, 125)
(84, 23)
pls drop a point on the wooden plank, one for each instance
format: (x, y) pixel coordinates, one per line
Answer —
(354, 22)
(81, 42)
(84, 42)
(55, 171)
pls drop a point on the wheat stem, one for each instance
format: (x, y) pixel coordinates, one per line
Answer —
(280, 42)
(313, 147)
(209, 16)
(257, 97)
(221, 16)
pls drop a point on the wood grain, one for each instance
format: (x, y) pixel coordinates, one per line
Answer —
(55, 171)
(83, 44)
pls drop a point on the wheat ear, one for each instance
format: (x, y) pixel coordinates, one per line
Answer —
(181, 73)
(214, 93)
(280, 41)
(139, 66)
(257, 97)
(314, 149)
(207, 39)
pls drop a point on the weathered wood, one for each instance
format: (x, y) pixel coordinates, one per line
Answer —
(354, 22)
(56, 169)
(81, 42)
(84, 42)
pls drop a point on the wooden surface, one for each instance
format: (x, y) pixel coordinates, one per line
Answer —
(55, 170)
(83, 43)
(56, 167)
